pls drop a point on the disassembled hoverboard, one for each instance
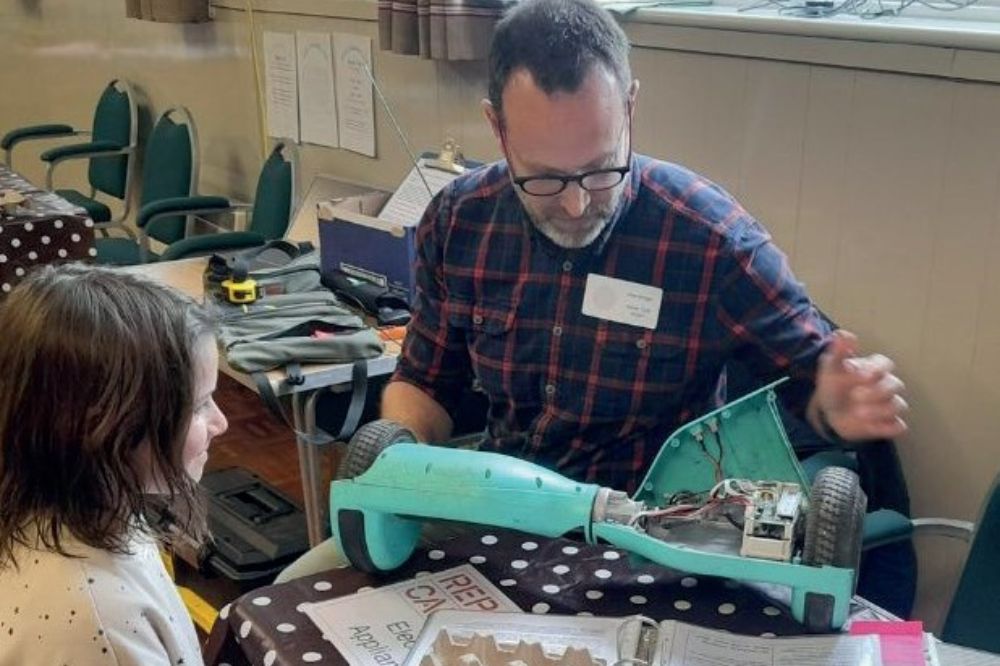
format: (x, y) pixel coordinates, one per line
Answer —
(725, 496)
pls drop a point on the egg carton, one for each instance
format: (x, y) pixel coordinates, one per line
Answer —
(484, 650)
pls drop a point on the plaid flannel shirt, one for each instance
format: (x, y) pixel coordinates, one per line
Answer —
(500, 304)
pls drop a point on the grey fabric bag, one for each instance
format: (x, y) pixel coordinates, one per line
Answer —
(294, 321)
(312, 327)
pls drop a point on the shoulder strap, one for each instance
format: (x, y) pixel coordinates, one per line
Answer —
(359, 391)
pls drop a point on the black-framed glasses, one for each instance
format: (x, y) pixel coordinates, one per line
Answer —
(592, 181)
(549, 185)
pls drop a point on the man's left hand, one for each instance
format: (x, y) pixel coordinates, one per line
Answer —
(857, 397)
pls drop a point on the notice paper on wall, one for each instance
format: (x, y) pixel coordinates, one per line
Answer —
(380, 626)
(317, 95)
(355, 99)
(281, 85)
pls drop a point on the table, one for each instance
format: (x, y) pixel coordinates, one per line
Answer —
(47, 229)
(540, 575)
(186, 276)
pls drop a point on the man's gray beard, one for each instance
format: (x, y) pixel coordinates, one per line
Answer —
(570, 241)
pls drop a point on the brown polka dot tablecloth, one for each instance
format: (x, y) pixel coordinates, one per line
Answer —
(46, 229)
(560, 576)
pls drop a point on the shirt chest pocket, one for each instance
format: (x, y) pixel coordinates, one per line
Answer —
(489, 333)
(641, 374)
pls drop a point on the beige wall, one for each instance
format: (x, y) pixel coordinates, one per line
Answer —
(883, 187)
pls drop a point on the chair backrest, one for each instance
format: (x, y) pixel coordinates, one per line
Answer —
(974, 616)
(115, 120)
(170, 169)
(274, 199)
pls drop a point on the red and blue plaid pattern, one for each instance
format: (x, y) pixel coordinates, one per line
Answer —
(499, 304)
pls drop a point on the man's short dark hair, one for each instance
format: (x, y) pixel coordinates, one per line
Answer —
(559, 42)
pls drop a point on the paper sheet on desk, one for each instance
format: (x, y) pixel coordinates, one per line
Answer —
(683, 644)
(378, 627)
(407, 204)
(614, 639)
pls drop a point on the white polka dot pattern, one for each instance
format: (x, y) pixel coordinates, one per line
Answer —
(727, 609)
(54, 235)
(245, 629)
(566, 579)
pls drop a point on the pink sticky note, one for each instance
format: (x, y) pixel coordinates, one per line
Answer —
(902, 643)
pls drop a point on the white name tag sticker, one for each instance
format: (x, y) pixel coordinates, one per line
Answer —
(622, 301)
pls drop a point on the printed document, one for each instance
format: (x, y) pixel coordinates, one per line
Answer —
(407, 204)
(380, 626)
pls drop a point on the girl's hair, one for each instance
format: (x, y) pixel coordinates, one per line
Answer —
(94, 364)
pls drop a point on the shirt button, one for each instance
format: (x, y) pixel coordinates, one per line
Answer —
(557, 331)
(567, 266)
(550, 390)
(536, 440)
(477, 319)
(640, 343)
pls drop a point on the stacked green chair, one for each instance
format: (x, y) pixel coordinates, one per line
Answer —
(270, 212)
(169, 182)
(111, 152)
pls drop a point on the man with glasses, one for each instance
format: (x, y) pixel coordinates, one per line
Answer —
(596, 295)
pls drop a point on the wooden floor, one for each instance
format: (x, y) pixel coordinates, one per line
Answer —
(256, 440)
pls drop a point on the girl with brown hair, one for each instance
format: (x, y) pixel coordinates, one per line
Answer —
(106, 383)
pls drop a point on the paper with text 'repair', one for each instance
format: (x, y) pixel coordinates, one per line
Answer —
(378, 627)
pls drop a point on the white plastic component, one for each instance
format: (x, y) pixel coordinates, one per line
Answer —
(770, 520)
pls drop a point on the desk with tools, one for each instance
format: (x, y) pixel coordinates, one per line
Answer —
(186, 276)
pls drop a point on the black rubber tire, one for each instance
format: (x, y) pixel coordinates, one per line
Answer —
(833, 534)
(368, 442)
